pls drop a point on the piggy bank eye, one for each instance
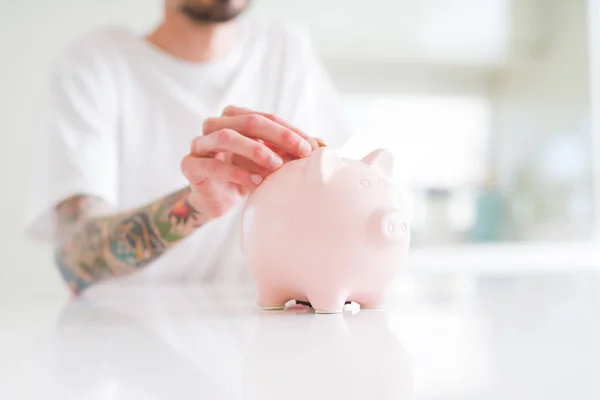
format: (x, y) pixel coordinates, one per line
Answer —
(382, 182)
(365, 182)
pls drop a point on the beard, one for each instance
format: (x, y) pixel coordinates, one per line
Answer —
(216, 11)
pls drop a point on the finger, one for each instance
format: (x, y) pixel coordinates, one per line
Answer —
(245, 190)
(259, 127)
(248, 165)
(232, 111)
(287, 158)
(227, 140)
(197, 170)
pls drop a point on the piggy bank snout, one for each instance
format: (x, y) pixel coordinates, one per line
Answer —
(390, 226)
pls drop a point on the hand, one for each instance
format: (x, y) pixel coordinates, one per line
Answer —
(235, 153)
(282, 150)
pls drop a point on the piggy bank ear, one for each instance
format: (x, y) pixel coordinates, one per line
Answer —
(382, 159)
(322, 163)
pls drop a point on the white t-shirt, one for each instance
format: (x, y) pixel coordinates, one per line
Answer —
(122, 113)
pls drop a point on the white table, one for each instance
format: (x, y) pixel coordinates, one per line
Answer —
(526, 337)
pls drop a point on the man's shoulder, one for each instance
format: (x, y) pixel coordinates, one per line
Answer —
(98, 44)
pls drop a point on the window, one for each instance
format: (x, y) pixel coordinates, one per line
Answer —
(437, 141)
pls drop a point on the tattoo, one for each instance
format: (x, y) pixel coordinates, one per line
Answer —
(91, 249)
(90, 237)
(96, 269)
(173, 217)
(135, 241)
(76, 283)
(181, 212)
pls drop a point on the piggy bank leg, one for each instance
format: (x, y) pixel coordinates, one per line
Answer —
(327, 303)
(270, 299)
(371, 300)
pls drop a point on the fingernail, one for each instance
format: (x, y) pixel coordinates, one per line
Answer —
(320, 142)
(313, 143)
(276, 161)
(305, 148)
(256, 179)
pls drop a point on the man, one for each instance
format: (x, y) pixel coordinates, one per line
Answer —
(142, 166)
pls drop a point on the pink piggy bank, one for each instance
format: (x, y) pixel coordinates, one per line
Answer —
(326, 230)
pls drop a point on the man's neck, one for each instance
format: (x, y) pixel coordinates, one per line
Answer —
(193, 42)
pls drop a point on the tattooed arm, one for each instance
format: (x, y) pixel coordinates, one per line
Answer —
(224, 164)
(95, 245)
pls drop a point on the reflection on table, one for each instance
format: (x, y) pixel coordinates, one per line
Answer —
(215, 343)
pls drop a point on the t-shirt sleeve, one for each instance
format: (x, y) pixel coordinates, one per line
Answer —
(75, 145)
(311, 100)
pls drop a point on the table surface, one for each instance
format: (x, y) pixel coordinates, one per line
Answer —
(444, 337)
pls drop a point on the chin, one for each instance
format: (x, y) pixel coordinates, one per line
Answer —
(212, 11)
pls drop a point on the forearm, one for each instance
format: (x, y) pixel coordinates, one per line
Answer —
(93, 249)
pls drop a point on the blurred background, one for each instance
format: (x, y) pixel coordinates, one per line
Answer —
(486, 104)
